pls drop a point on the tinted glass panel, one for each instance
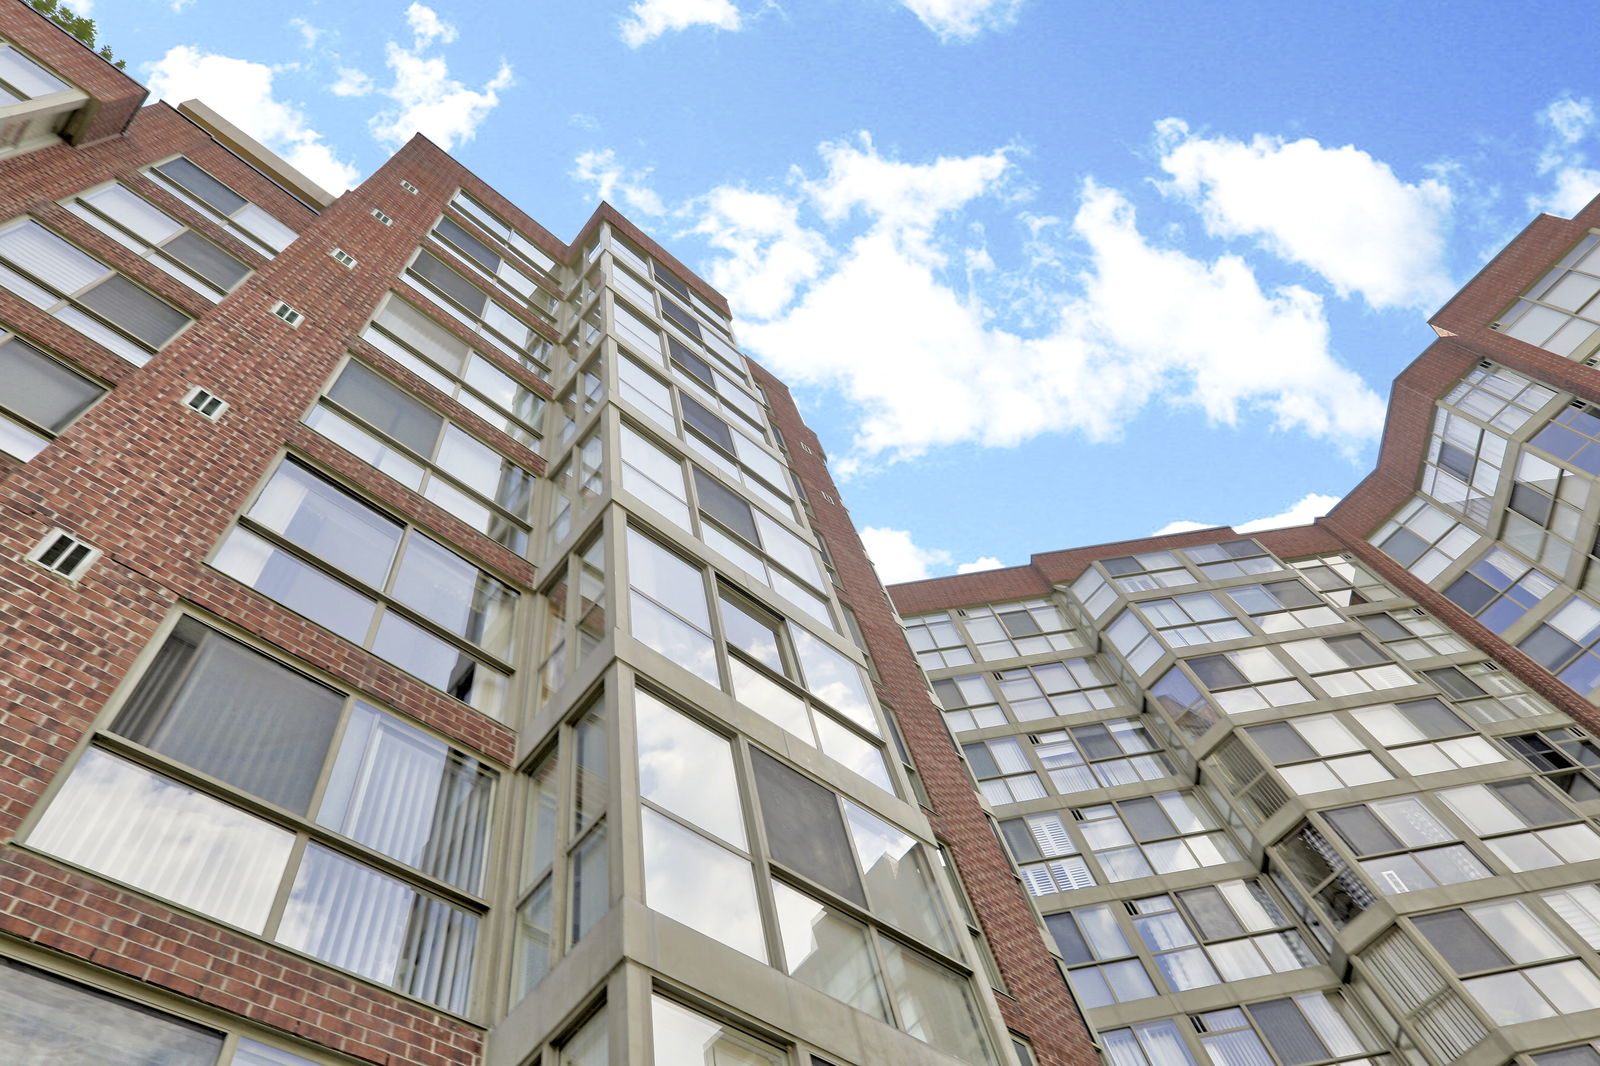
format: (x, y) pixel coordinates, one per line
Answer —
(804, 829)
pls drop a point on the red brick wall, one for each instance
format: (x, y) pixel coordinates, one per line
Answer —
(1039, 1006)
(156, 486)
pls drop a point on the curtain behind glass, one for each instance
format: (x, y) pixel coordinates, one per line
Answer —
(212, 703)
(410, 797)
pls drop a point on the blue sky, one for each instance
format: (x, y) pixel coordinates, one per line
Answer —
(1135, 264)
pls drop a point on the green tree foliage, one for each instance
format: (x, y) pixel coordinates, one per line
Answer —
(80, 27)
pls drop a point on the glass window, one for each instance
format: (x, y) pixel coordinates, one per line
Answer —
(232, 212)
(1101, 966)
(682, 1037)
(1047, 857)
(22, 78)
(82, 292)
(42, 397)
(220, 707)
(425, 347)
(829, 951)
(48, 1021)
(1100, 755)
(1493, 947)
(1503, 813)
(393, 566)
(393, 431)
(668, 607)
(165, 242)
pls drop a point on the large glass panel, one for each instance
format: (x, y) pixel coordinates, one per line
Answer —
(46, 1021)
(591, 886)
(828, 951)
(803, 826)
(687, 769)
(680, 1037)
(935, 1005)
(216, 705)
(412, 797)
(900, 886)
(162, 838)
(701, 884)
(328, 523)
(352, 916)
(834, 679)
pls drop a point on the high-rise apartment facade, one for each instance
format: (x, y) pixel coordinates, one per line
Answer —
(431, 641)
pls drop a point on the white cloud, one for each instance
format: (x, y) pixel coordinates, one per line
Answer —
(352, 82)
(1567, 123)
(177, 7)
(649, 19)
(926, 365)
(427, 26)
(767, 252)
(615, 183)
(427, 99)
(241, 91)
(1337, 211)
(961, 20)
(1313, 505)
(898, 558)
(309, 34)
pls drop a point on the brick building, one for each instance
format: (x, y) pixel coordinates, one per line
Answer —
(429, 640)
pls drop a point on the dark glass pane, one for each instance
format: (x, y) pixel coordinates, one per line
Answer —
(46, 1021)
(1211, 913)
(1576, 786)
(1020, 624)
(1549, 648)
(1361, 829)
(726, 506)
(206, 259)
(388, 407)
(1469, 593)
(202, 186)
(1288, 1032)
(949, 694)
(709, 425)
(1145, 818)
(214, 704)
(1384, 627)
(450, 283)
(122, 303)
(982, 763)
(1433, 718)
(1464, 946)
(1404, 546)
(1539, 752)
(1020, 840)
(40, 389)
(1096, 742)
(1122, 564)
(1453, 682)
(1281, 743)
(1216, 671)
(1456, 460)
(692, 364)
(1531, 503)
(1074, 949)
(669, 279)
(680, 318)
(1533, 803)
(1306, 854)
(805, 831)
(470, 246)
(1292, 594)
(1356, 650)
